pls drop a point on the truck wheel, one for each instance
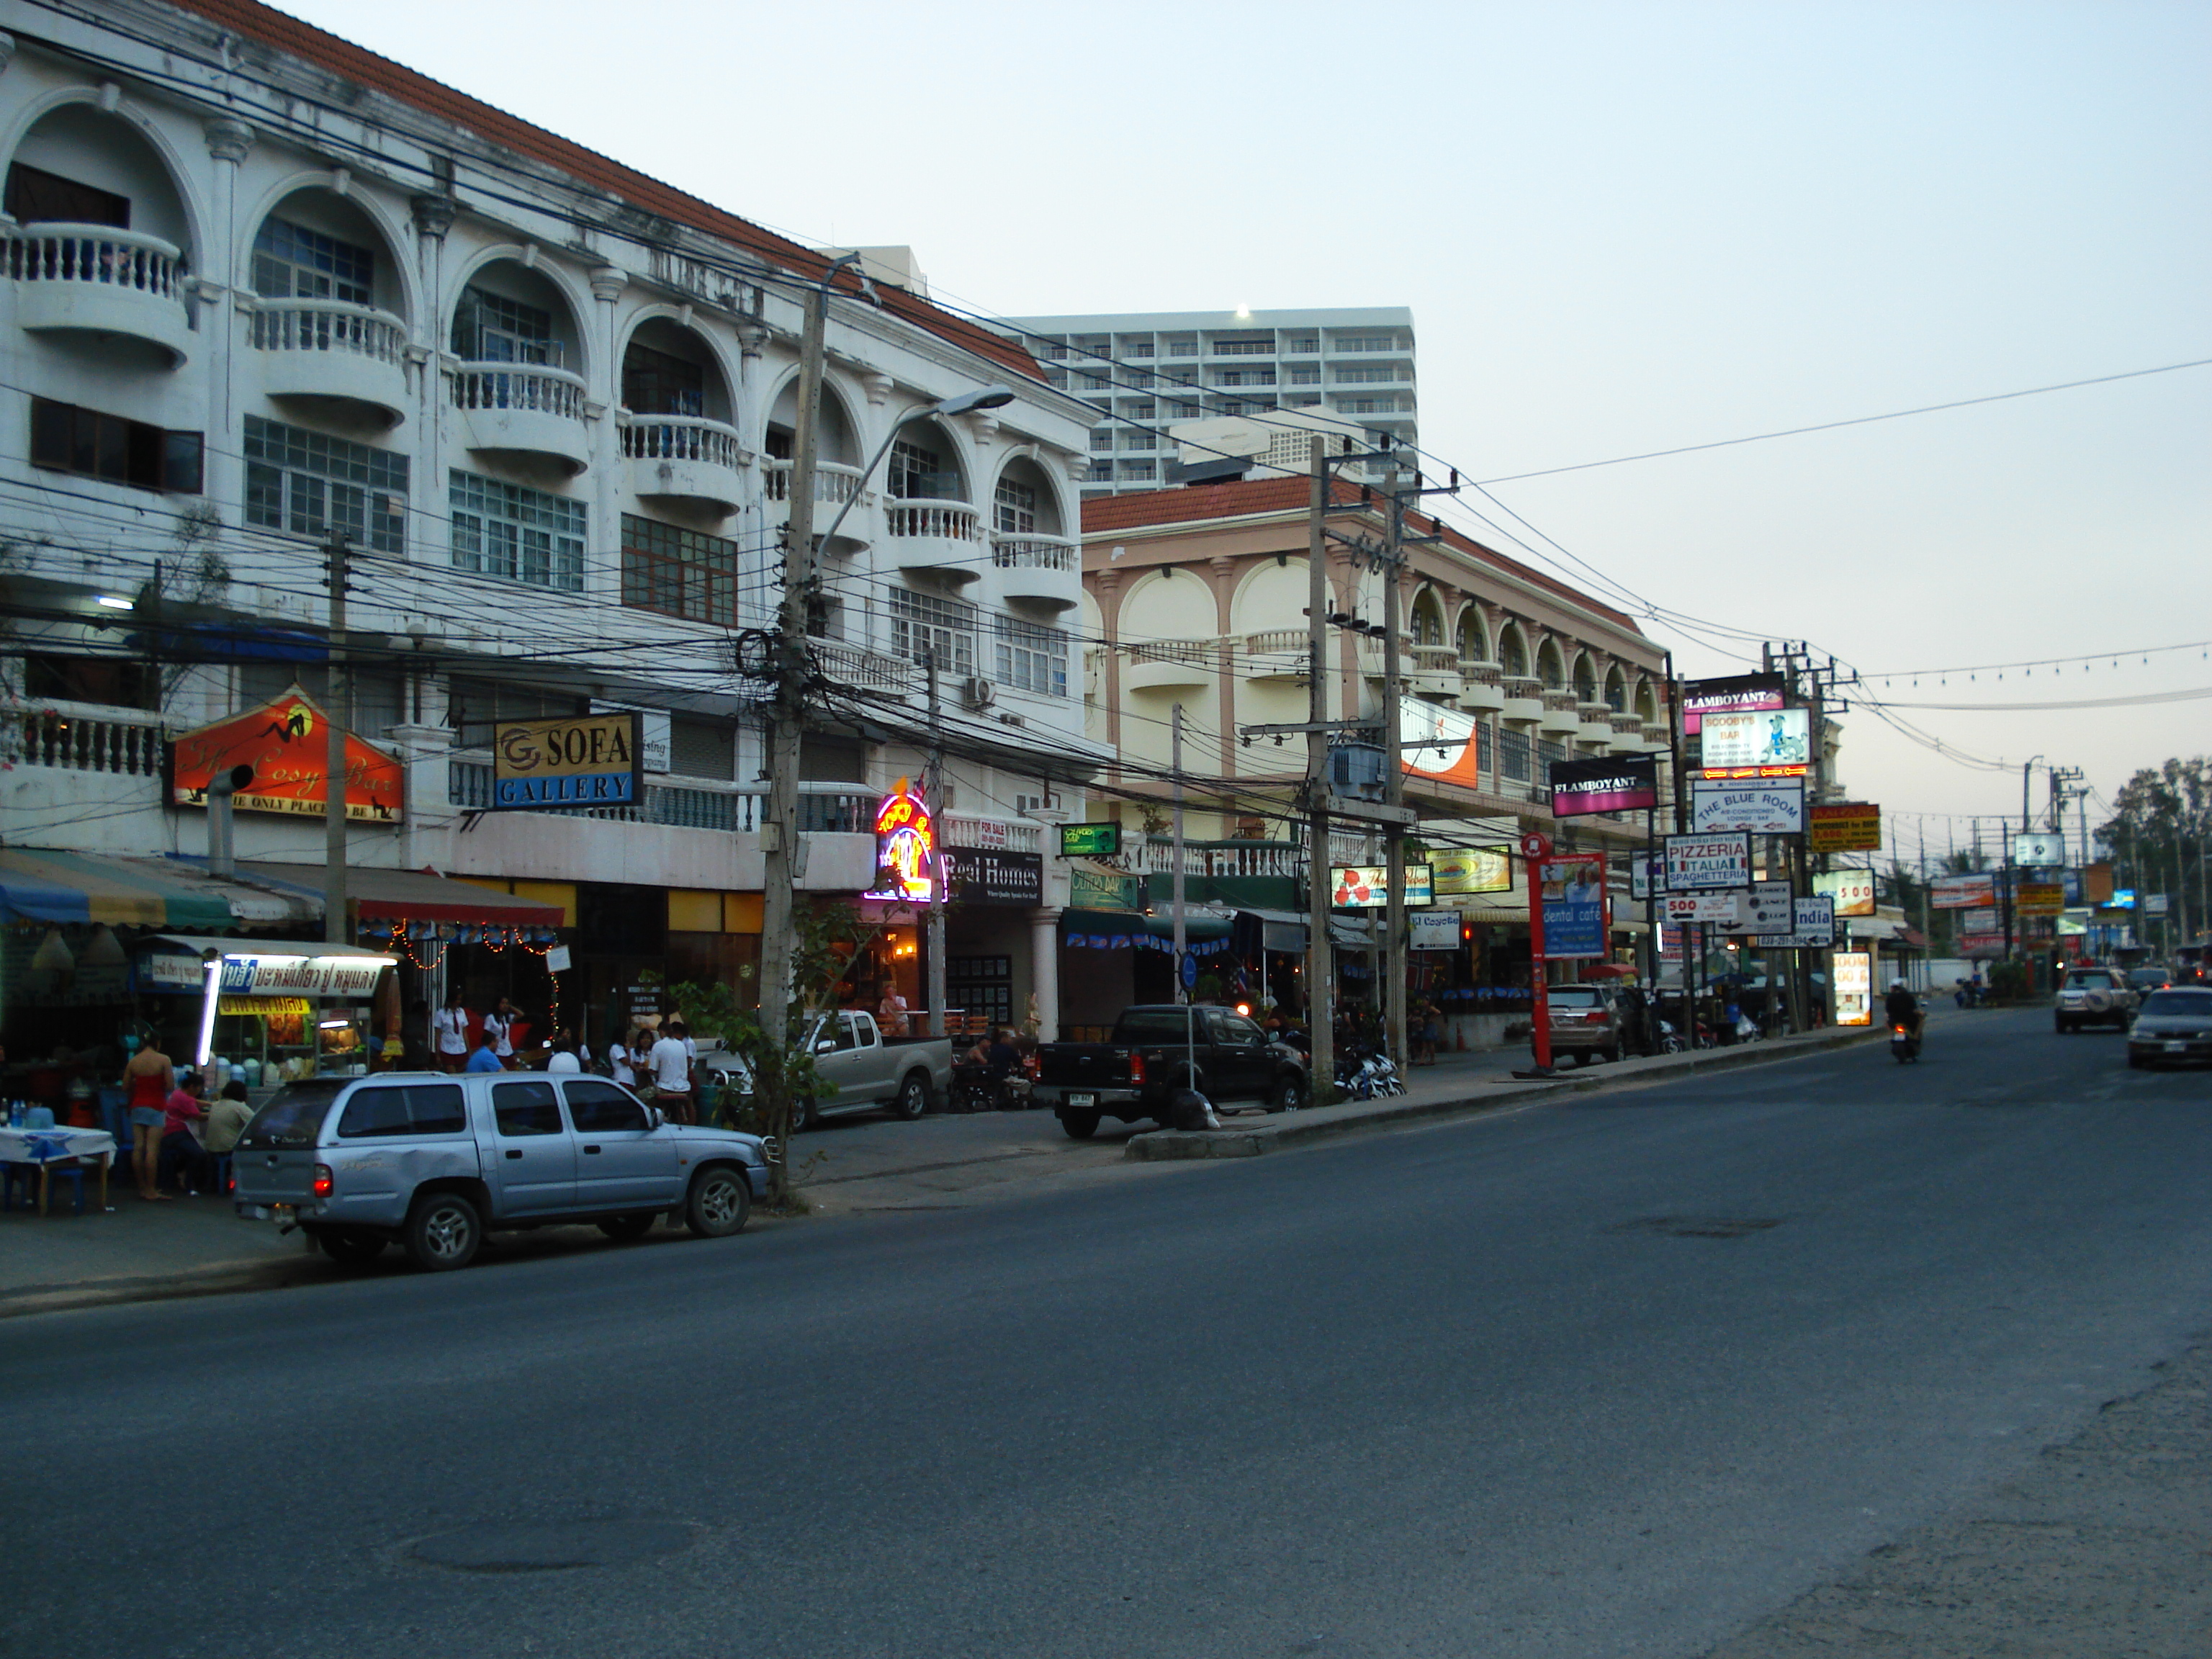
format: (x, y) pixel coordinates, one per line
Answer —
(912, 1096)
(719, 1203)
(1290, 1094)
(802, 1114)
(443, 1232)
(623, 1228)
(1080, 1126)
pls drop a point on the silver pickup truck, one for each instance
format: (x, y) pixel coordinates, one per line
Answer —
(866, 1070)
(433, 1162)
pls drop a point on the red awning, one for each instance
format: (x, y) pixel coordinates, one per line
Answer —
(417, 896)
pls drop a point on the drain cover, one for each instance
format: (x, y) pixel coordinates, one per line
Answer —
(1699, 1226)
(552, 1545)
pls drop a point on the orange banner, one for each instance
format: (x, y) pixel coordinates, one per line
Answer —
(286, 744)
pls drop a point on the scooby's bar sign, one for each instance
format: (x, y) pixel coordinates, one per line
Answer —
(287, 743)
(590, 760)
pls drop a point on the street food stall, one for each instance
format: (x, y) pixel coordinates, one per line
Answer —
(274, 1009)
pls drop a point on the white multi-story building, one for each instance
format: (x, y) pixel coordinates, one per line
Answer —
(260, 287)
(1144, 372)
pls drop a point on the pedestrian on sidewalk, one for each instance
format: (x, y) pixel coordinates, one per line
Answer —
(500, 1025)
(451, 1026)
(227, 1118)
(148, 1079)
(181, 1152)
(562, 1061)
(670, 1064)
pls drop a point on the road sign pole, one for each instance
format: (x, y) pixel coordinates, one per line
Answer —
(1536, 850)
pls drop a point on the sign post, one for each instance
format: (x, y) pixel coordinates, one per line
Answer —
(1535, 848)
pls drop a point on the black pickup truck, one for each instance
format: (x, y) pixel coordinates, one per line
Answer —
(1157, 1051)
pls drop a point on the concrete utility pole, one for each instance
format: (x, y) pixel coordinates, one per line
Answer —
(1393, 786)
(334, 766)
(788, 709)
(932, 791)
(1320, 1004)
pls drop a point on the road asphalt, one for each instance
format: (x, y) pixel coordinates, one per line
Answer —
(1715, 1364)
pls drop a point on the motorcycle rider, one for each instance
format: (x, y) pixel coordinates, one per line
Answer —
(1901, 1007)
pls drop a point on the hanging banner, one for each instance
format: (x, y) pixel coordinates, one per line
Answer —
(1697, 864)
(1775, 744)
(1851, 890)
(1459, 870)
(1774, 807)
(1581, 787)
(1733, 694)
(1853, 973)
(1845, 827)
(287, 743)
(1974, 892)
(591, 760)
(1574, 904)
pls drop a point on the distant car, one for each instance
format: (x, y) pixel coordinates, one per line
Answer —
(1586, 1022)
(2145, 980)
(2093, 996)
(2173, 1026)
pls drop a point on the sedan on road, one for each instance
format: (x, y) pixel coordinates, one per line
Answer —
(2174, 1026)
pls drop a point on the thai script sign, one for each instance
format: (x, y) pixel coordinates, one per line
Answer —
(305, 976)
(287, 743)
(1846, 827)
(1702, 863)
(1773, 807)
(2042, 898)
(591, 760)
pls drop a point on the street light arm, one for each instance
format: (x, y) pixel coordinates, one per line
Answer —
(991, 397)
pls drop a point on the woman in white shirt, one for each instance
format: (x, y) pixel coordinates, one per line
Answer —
(449, 1031)
(625, 1057)
(499, 1023)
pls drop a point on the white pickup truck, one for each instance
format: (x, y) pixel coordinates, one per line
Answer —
(868, 1071)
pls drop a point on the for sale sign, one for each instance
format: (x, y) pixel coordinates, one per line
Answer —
(1846, 827)
(1698, 863)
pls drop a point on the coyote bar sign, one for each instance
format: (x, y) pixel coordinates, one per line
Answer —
(287, 743)
(905, 846)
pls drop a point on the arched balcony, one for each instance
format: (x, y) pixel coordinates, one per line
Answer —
(837, 467)
(325, 318)
(98, 251)
(518, 398)
(678, 441)
(932, 526)
(1036, 564)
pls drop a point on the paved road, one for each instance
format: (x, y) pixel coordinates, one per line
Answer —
(1618, 1375)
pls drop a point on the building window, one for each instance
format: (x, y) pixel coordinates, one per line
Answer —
(1138, 348)
(1304, 346)
(1101, 440)
(919, 474)
(291, 262)
(516, 534)
(1367, 342)
(655, 383)
(1101, 471)
(1243, 348)
(1245, 377)
(1181, 413)
(678, 573)
(1381, 376)
(1513, 749)
(1305, 377)
(1182, 348)
(1054, 354)
(1137, 470)
(1486, 751)
(67, 439)
(35, 196)
(1142, 441)
(490, 328)
(1014, 507)
(310, 484)
(925, 625)
(1031, 657)
(50, 678)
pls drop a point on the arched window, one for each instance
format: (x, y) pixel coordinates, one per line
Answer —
(1473, 646)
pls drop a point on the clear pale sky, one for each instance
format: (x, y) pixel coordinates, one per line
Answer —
(1621, 228)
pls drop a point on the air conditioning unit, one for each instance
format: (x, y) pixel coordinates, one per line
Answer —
(978, 692)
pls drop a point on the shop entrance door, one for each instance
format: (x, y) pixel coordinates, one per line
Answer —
(982, 987)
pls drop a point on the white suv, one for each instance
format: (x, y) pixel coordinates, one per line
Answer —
(2094, 996)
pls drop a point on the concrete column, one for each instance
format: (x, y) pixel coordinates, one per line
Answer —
(1044, 972)
(229, 142)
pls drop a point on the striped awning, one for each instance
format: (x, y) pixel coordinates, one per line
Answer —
(37, 884)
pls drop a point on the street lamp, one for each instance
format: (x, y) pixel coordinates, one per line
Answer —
(991, 397)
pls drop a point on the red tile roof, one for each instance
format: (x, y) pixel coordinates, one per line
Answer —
(587, 167)
(1197, 503)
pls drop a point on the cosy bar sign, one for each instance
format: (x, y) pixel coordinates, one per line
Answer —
(590, 761)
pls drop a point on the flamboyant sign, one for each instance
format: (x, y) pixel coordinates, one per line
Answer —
(1735, 693)
(1629, 783)
(287, 743)
(906, 846)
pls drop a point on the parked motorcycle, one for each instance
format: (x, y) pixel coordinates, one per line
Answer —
(1367, 1074)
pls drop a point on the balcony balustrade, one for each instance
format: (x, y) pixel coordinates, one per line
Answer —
(1039, 569)
(683, 458)
(1278, 653)
(1171, 664)
(834, 482)
(1524, 700)
(72, 737)
(935, 538)
(98, 281)
(863, 670)
(522, 409)
(1559, 718)
(330, 353)
(1481, 689)
(1433, 671)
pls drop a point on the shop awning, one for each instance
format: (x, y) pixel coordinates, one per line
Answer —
(1098, 929)
(1271, 930)
(39, 884)
(413, 895)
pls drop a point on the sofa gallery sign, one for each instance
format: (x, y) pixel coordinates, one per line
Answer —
(592, 760)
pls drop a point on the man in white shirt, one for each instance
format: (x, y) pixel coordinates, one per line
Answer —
(563, 1059)
(670, 1063)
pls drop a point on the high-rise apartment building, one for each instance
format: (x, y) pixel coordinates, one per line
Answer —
(1146, 373)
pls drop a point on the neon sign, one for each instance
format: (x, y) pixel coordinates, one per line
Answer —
(906, 848)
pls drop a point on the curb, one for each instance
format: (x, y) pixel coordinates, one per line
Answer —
(162, 1287)
(1324, 1122)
